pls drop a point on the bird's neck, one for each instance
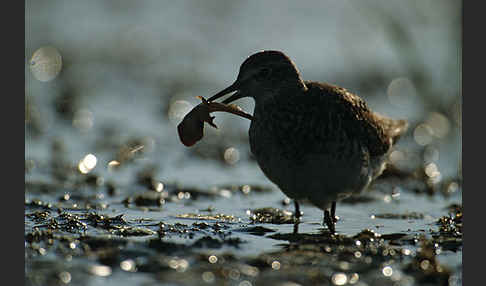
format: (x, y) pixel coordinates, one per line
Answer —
(269, 100)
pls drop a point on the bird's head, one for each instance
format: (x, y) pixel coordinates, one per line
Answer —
(263, 75)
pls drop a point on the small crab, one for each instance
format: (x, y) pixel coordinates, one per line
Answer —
(191, 127)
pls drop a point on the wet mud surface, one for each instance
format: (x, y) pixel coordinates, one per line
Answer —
(124, 216)
(80, 231)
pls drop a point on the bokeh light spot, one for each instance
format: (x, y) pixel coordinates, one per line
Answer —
(339, 279)
(128, 265)
(431, 154)
(246, 189)
(423, 134)
(354, 278)
(178, 109)
(180, 265)
(83, 119)
(208, 277)
(65, 277)
(396, 156)
(46, 63)
(213, 259)
(100, 270)
(424, 264)
(401, 92)
(231, 155)
(387, 271)
(87, 164)
(439, 124)
(276, 265)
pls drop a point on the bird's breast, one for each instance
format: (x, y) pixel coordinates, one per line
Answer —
(277, 145)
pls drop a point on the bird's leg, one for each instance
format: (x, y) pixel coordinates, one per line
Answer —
(298, 214)
(329, 221)
(296, 228)
(333, 212)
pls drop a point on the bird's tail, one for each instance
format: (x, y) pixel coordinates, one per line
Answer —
(394, 128)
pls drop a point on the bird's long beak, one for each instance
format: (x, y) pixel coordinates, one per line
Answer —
(229, 89)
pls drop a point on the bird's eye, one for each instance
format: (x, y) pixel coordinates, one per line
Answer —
(263, 73)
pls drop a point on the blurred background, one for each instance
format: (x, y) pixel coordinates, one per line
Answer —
(107, 77)
(107, 83)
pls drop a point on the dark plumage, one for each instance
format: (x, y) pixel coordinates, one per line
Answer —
(314, 140)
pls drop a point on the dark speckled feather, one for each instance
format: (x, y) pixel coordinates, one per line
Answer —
(316, 141)
(323, 119)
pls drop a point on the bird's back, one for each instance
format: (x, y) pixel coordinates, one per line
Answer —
(325, 119)
(356, 119)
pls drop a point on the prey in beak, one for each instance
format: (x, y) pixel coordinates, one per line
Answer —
(191, 127)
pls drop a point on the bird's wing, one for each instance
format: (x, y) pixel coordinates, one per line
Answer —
(341, 109)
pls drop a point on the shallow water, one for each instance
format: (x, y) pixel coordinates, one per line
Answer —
(126, 83)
